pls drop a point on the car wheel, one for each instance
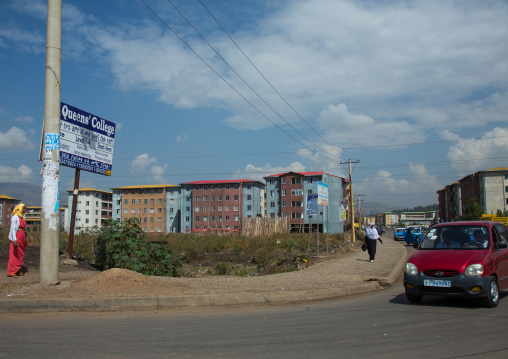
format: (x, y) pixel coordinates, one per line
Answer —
(414, 298)
(492, 299)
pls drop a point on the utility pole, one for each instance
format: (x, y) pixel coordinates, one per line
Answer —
(360, 208)
(351, 199)
(50, 152)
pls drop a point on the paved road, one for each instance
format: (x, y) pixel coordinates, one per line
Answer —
(380, 324)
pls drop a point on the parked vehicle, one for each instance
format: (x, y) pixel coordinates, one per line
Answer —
(398, 234)
(467, 259)
(413, 234)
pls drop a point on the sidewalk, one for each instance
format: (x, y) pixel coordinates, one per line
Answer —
(346, 275)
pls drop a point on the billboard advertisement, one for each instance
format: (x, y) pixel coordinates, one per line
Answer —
(86, 141)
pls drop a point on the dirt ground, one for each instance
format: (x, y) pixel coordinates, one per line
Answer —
(88, 281)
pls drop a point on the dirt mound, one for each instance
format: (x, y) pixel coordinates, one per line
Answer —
(111, 283)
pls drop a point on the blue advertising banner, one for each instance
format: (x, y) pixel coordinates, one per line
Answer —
(311, 208)
(86, 141)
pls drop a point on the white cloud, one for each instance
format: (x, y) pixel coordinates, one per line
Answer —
(15, 139)
(419, 189)
(25, 119)
(348, 129)
(182, 138)
(471, 155)
(257, 173)
(157, 173)
(20, 174)
(140, 164)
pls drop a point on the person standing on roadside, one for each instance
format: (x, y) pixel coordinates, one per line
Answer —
(371, 238)
(17, 237)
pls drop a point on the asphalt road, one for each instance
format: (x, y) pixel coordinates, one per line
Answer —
(376, 325)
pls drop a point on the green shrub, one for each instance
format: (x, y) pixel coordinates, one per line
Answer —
(222, 268)
(124, 246)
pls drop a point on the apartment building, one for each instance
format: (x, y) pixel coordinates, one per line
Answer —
(7, 205)
(286, 195)
(488, 188)
(219, 206)
(156, 206)
(33, 218)
(93, 208)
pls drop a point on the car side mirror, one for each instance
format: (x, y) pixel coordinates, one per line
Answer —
(501, 245)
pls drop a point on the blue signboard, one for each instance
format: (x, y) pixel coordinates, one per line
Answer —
(311, 207)
(86, 141)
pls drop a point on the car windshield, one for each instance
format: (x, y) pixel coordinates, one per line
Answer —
(456, 237)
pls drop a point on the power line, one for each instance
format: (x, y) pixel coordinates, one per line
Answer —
(263, 76)
(231, 86)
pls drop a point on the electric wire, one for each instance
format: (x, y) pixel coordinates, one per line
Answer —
(262, 75)
(223, 79)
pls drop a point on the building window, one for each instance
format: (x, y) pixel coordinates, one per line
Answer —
(219, 208)
(296, 215)
(196, 188)
(272, 204)
(133, 201)
(249, 197)
(227, 218)
(283, 192)
(196, 209)
(249, 207)
(297, 180)
(196, 198)
(226, 208)
(196, 218)
(133, 211)
(236, 197)
(145, 201)
(235, 208)
(159, 210)
(283, 204)
(219, 198)
(296, 204)
(152, 210)
(126, 201)
(139, 201)
(87, 211)
(283, 180)
(125, 210)
(296, 192)
(205, 218)
(159, 201)
(226, 186)
(227, 197)
(87, 203)
(205, 198)
(205, 187)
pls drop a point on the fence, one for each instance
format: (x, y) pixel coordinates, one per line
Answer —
(265, 226)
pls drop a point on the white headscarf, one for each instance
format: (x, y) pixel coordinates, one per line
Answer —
(371, 232)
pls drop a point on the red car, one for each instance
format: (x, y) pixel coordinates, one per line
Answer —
(467, 259)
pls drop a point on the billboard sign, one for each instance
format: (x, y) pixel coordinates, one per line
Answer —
(311, 206)
(322, 189)
(86, 141)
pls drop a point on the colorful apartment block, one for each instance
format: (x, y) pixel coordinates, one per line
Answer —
(94, 208)
(286, 196)
(219, 206)
(157, 207)
(7, 205)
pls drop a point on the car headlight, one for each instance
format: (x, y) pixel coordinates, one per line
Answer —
(474, 270)
(411, 269)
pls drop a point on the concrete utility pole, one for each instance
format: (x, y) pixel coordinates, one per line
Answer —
(360, 208)
(351, 199)
(51, 148)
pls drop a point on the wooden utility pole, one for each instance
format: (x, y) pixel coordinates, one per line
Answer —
(360, 208)
(351, 199)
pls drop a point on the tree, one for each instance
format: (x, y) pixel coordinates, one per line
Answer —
(473, 211)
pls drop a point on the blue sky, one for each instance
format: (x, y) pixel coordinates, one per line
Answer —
(416, 91)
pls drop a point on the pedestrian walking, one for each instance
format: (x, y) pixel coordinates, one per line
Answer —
(17, 237)
(371, 238)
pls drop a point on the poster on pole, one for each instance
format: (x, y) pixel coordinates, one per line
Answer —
(311, 207)
(86, 141)
(322, 189)
(343, 209)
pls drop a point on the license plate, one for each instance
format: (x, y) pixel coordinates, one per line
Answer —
(437, 283)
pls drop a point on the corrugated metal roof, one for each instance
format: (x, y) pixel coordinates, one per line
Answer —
(222, 181)
(146, 186)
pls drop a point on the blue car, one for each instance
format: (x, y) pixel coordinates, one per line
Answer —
(398, 234)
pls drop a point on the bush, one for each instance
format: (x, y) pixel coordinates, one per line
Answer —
(124, 246)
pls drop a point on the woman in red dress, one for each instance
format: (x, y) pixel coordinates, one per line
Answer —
(17, 236)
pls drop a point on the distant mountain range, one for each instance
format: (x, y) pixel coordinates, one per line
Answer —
(28, 193)
(373, 208)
